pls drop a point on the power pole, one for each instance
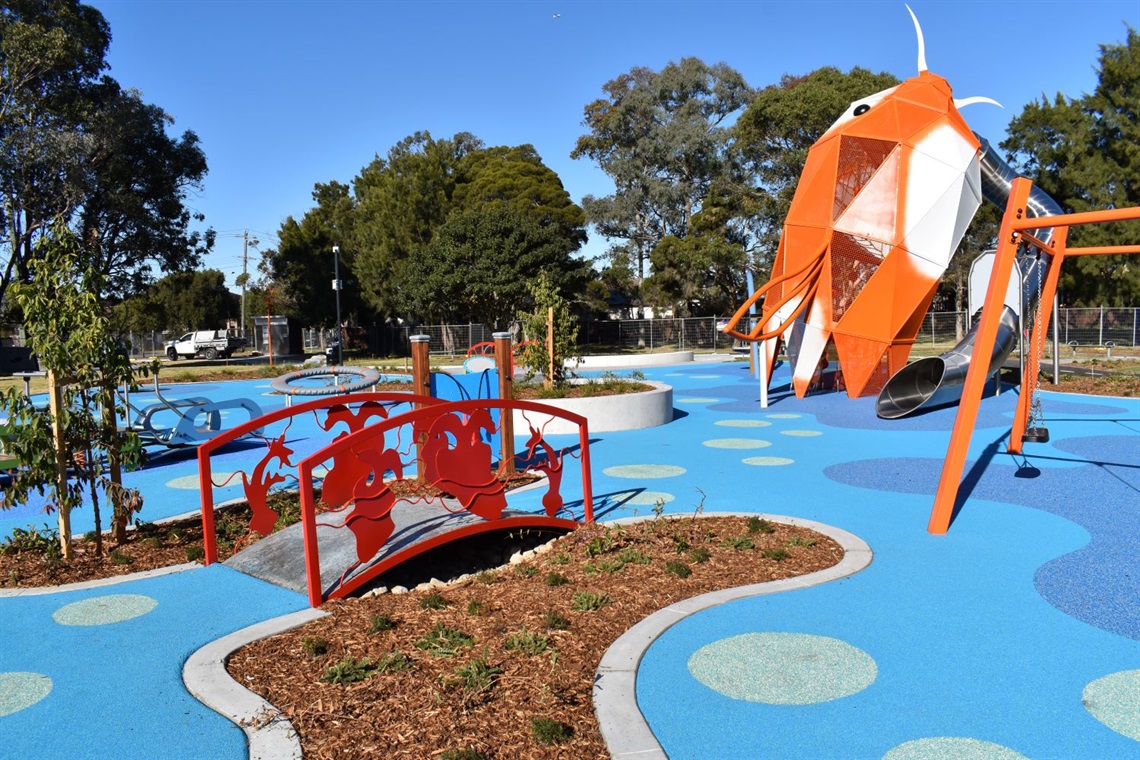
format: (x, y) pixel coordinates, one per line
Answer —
(244, 276)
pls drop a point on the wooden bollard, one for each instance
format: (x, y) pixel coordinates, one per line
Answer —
(505, 359)
(421, 386)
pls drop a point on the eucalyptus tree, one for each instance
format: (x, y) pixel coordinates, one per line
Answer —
(663, 137)
(1085, 152)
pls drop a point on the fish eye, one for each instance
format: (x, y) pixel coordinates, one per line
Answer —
(861, 109)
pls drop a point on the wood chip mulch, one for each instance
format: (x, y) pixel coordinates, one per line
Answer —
(530, 642)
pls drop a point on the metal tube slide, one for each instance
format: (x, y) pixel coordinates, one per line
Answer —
(938, 380)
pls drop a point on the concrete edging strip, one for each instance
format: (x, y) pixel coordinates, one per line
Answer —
(624, 729)
(112, 581)
(271, 736)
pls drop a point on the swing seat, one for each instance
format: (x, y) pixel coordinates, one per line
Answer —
(1036, 435)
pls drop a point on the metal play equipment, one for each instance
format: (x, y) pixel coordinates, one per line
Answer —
(1018, 229)
(366, 378)
(395, 485)
(885, 197)
(196, 419)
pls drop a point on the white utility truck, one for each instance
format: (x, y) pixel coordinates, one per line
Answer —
(209, 344)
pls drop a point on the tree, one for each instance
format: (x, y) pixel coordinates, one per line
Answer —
(301, 267)
(774, 134)
(539, 356)
(134, 213)
(1085, 153)
(659, 136)
(69, 331)
(480, 263)
(702, 272)
(74, 147)
(401, 201)
(51, 54)
(178, 302)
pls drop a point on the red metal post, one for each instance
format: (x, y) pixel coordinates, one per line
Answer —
(206, 494)
(955, 463)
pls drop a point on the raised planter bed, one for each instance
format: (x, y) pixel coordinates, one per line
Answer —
(627, 411)
(617, 361)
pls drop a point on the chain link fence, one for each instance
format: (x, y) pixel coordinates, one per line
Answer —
(1103, 329)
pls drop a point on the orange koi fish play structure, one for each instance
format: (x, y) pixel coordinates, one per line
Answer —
(884, 199)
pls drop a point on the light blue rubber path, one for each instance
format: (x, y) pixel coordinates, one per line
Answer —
(1015, 635)
(116, 687)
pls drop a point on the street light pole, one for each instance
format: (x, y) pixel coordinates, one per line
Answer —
(337, 285)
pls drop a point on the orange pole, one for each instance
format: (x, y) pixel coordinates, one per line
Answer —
(504, 358)
(948, 484)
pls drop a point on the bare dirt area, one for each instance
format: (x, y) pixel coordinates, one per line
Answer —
(501, 664)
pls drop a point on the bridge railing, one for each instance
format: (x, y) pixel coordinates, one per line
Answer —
(446, 455)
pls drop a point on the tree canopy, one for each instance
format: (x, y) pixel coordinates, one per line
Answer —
(662, 138)
(75, 147)
(1085, 152)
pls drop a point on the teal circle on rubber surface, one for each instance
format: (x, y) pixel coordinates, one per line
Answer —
(651, 498)
(1115, 701)
(190, 482)
(104, 610)
(801, 433)
(783, 668)
(694, 400)
(737, 443)
(952, 748)
(768, 461)
(743, 423)
(785, 416)
(19, 691)
(644, 471)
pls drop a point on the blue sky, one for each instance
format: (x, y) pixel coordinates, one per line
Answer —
(284, 94)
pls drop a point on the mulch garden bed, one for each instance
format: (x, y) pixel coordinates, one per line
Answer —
(501, 664)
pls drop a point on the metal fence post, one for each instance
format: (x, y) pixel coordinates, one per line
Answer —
(1100, 336)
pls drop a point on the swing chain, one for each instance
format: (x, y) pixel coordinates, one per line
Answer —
(1035, 412)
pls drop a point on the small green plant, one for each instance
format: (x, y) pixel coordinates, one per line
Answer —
(559, 559)
(118, 558)
(555, 622)
(175, 535)
(487, 577)
(381, 623)
(658, 508)
(433, 601)
(393, 662)
(632, 556)
(526, 571)
(801, 541)
(760, 525)
(349, 670)
(464, 753)
(607, 566)
(556, 579)
(154, 542)
(681, 543)
(444, 641)
(476, 677)
(31, 540)
(699, 555)
(588, 601)
(779, 555)
(679, 569)
(314, 646)
(600, 544)
(195, 553)
(740, 543)
(475, 607)
(548, 731)
(527, 642)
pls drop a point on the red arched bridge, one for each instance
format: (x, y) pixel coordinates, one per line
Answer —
(389, 486)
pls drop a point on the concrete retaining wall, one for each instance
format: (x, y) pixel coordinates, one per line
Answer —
(627, 411)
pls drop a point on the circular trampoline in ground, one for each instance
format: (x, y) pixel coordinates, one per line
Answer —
(292, 383)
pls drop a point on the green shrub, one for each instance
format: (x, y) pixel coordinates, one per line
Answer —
(393, 662)
(314, 646)
(555, 622)
(779, 555)
(740, 543)
(466, 753)
(760, 525)
(526, 571)
(433, 601)
(381, 623)
(801, 541)
(699, 555)
(527, 642)
(547, 731)
(349, 670)
(487, 577)
(475, 607)
(631, 556)
(443, 641)
(679, 569)
(556, 579)
(476, 677)
(195, 553)
(587, 601)
(559, 559)
(118, 558)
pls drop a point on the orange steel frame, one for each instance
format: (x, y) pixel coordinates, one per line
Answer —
(1015, 226)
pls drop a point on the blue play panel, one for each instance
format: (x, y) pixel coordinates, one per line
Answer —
(1015, 635)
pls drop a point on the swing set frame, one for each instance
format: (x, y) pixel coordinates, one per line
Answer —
(1015, 227)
